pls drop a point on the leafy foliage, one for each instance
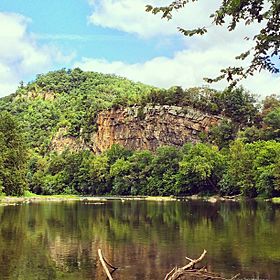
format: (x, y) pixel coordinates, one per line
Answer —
(13, 156)
(200, 170)
(253, 169)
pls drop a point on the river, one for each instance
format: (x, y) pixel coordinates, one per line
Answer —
(145, 239)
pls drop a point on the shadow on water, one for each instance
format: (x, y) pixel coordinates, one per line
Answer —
(145, 239)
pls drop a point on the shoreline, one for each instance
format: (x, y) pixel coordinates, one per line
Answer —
(10, 200)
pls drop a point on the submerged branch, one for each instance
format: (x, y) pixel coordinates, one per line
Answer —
(104, 262)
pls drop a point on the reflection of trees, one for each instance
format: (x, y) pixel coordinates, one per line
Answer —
(19, 251)
(60, 240)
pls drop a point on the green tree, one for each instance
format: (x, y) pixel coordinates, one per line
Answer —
(270, 103)
(252, 169)
(239, 105)
(200, 169)
(120, 172)
(164, 168)
(116, 152)
(266, 167)
(140, 171)
(223, 133)
(239, 175)
(13, 156)
(271, 127)
(99, 175)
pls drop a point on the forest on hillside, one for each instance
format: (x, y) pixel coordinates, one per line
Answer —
(241, 155)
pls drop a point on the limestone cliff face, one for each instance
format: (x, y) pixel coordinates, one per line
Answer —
(149, 127)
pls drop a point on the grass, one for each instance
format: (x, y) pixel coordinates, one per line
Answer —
(28, 194)
(276, 199)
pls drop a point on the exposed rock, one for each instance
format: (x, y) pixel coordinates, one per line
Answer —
(62, 141)
(149, 127)
(139, 128)
(50, 96)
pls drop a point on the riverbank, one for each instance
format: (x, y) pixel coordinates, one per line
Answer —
(32, 198)
(11, 200)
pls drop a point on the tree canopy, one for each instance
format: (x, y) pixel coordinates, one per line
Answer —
(265, 13)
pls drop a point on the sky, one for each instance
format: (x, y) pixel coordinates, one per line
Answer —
(119, 37)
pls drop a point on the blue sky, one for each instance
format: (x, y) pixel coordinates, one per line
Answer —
(65, 23)
(116, 36)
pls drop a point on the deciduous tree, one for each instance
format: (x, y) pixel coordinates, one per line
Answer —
(13, 156)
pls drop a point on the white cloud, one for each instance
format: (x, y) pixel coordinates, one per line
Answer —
(203, 56)
(77, 37)
(20, 55)
(187, 69)
(263, 84)
(130, 16)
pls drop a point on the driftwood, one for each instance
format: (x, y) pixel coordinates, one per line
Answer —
(104, 262)
(176, 273)
(187, 272)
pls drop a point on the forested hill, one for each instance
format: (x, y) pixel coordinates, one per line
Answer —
(238, 155)
(68, 99)
(71, 99)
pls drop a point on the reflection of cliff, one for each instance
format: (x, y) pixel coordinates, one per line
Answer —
(150, 127)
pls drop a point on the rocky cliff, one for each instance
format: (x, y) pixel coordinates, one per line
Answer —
(140, 128)
(150, 127)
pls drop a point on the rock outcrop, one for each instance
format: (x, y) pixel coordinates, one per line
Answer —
(63, 141)
(149, 127)
(140, 128)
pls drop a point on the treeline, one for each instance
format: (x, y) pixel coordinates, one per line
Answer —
(248, 169)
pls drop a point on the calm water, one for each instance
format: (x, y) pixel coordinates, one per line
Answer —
(144, 239)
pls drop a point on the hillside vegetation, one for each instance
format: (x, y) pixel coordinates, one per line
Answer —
(240, 156)
(68, 99)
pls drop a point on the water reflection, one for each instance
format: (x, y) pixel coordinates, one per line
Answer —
(144, 239)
